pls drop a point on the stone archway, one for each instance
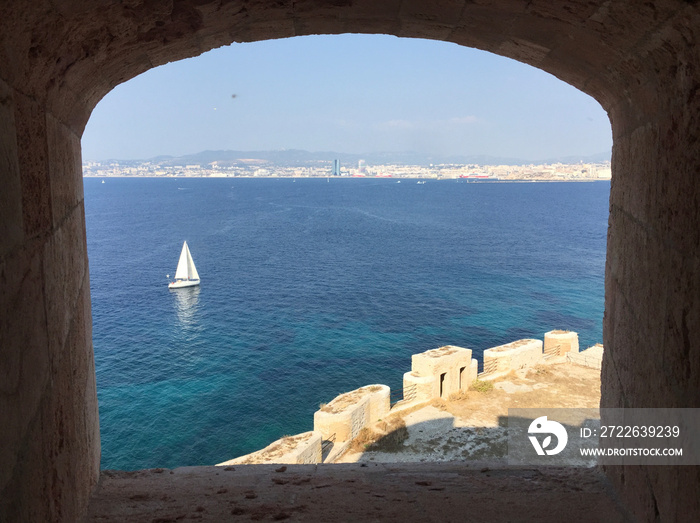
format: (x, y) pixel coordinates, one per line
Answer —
(58, 59)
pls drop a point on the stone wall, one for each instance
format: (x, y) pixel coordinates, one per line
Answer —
(558, 342)
(343, 418)
(49, 435)
(652, 274)
(58, 59)
(592, 357)
(513, 356)
(438, 373)
(301, 449)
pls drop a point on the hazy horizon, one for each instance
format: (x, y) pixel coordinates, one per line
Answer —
(353, 94)
(387, 157)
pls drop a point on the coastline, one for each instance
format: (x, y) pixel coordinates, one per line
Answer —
(517, 180)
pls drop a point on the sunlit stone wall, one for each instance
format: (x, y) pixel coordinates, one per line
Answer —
(346, 415)
(438, 373)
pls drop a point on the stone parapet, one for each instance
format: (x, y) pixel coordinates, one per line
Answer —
(558, 342)
(302, 449)
(591, 357)
(473, 372)
(437, 373)
(343, 418)
(417, 389)
(513, 356)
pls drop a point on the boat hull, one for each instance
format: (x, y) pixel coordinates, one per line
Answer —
(182, 283)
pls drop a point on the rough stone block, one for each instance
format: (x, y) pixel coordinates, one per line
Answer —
(65, 169)
(85, 463)
(302, 449)
(65, 267)
(11, 231)
(515, 355)
(592, 357)
(24, 354)
(418, 388)
(379, 403)
(472, 376)
(433, 31)
(24, 373)
(30, 123)
(345, 416)
(438, 11)
(560, 342)
(448, 367)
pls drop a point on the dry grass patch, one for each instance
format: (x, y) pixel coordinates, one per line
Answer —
(542, 370)
(457, 396)
(388, 436)
(481, 386)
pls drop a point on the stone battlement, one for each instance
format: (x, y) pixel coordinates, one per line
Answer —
(343, 418)
(436, 373)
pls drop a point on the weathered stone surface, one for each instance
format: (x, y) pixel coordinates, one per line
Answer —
(346, 415)
(301, 449)
(447, 368)
(30, 121)
(24, 368)
(65, 170)
(65, 271)
(11, 221)
(395, 492)
(560, 342)
(514, 355)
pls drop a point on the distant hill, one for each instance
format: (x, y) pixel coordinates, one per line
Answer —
(301, 158)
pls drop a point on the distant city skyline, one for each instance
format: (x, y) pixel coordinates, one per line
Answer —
(350, 94)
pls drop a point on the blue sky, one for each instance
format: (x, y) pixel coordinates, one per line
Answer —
(347, 93)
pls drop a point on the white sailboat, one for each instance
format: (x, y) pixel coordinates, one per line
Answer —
(186, 274)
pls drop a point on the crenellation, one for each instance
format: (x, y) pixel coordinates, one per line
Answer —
(436, 374)
(344, 417)
(558, 343)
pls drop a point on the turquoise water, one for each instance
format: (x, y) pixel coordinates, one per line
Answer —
(312, 288)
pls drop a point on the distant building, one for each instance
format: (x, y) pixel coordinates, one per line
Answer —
(336, 167)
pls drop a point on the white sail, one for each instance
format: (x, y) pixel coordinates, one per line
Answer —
(191, 269)
(185, 267)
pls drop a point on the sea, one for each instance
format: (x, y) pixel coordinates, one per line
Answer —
(311, 288)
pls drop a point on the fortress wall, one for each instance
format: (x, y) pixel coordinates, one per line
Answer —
(473, 374)
(513, 356)
(379, 403)
(49, 438)
(592, 357)
(310, 453)
(345, 416)
(418, 388)
(448, 367)
(302, 449)
(349, 413)
(560, 342)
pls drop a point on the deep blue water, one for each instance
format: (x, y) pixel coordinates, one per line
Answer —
(310, 289)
